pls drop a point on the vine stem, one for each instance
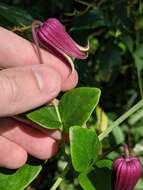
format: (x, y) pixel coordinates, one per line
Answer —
(57, 183)
(121, 119)
(60, 178)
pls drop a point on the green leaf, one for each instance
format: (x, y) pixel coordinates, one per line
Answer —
(118, 135)
(104, 164)
(129, 43)
(84, 146)
(14, 15)
(45, 117)
(85, 182)
(77, 105)
(21, 178)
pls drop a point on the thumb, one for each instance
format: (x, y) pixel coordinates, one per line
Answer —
(25, 88)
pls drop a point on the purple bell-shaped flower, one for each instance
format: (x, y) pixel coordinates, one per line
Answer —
(126, 171)
(52, 36)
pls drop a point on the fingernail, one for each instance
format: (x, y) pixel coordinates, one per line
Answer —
(48, 79)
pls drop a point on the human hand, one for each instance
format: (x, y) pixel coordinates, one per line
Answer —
(25, 84)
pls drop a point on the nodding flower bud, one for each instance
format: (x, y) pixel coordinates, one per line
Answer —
(126, 172)
(52, 33)
(52, 36)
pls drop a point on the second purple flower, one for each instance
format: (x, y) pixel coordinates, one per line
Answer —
(126, 172)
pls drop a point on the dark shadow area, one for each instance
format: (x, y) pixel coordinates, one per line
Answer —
(31, 161)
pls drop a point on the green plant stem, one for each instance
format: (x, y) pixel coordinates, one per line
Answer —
(62, 132)
(60, 178)
(57, 183)
(121, 119)
(140, 82)
(36, 23)
(57, 110)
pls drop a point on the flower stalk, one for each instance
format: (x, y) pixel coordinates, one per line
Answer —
(121, 119)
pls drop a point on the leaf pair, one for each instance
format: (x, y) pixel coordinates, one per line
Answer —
(75, 108)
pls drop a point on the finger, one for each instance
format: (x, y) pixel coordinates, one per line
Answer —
(70, 82)
(55, 134)
(25, 88)
(12, 156)
(32, 140)
(16, 51)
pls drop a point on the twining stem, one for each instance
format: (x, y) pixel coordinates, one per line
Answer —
(36, 23)
(121, 119)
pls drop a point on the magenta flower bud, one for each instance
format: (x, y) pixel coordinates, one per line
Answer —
(52, 34)
(126, 172)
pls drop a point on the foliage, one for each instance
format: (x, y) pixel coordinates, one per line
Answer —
(115, 64)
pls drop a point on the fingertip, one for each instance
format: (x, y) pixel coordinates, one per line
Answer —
(12, 156)
(33, 141)
(70, 82)
(19, 158)
(48, 150)
(44, 149)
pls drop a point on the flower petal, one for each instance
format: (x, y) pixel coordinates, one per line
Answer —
(52, 32)
(65, 58)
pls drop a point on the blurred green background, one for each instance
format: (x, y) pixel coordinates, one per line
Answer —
(115, 64)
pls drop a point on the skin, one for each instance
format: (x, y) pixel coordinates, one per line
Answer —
(25, 84)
